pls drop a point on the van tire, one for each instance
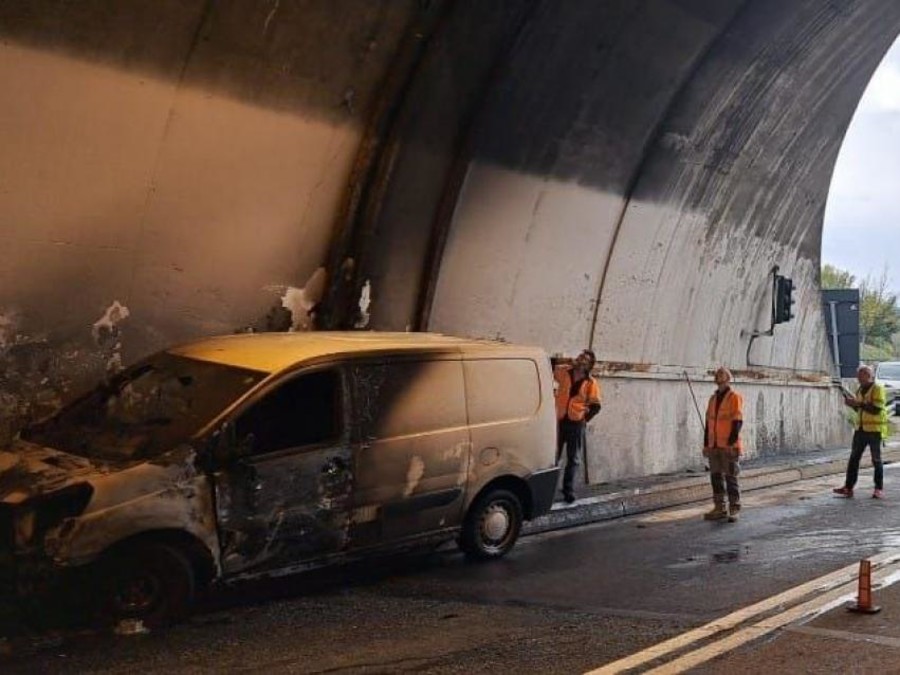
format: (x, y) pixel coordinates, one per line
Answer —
(492, 525)
(151, 582)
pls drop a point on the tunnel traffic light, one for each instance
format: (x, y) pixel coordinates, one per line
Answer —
(784, 299)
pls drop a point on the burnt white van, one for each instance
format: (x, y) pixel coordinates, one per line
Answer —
(249, 455)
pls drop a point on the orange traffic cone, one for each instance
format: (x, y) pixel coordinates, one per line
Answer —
(863, 604)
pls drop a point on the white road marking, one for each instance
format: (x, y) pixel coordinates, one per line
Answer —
(833, 589)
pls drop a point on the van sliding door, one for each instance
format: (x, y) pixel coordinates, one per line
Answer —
(411, 450)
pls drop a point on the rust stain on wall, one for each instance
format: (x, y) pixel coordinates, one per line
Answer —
(623, 367)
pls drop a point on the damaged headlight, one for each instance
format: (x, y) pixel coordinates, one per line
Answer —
(33, 519)
(23, 526)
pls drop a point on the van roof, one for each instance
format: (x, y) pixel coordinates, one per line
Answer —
(274, 352)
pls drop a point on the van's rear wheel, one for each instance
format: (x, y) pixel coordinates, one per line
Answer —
(492, 525)
(150, 582)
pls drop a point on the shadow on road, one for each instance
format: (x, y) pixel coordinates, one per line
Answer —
(330, 580)
(33, 628)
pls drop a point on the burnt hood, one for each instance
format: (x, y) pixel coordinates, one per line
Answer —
(28, 470)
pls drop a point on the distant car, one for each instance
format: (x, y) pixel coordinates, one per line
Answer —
(887, 373)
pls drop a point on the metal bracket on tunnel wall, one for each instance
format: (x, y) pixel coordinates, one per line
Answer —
(781, 312)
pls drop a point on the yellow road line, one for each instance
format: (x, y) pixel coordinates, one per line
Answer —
(824, 583)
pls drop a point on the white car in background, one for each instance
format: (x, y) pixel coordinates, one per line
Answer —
(887, 373)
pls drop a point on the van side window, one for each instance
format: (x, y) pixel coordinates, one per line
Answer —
(303, 411)
(409, 397)
(502, 389)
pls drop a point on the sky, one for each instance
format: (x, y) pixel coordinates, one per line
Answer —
(862, 217)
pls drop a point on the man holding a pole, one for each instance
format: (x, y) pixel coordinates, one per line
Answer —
(722, 447)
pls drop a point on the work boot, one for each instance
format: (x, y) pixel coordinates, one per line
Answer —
(718, 512)
(734, 511)
(843, 492)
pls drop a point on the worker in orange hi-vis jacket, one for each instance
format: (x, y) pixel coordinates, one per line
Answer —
(722, 447)
(577, 401)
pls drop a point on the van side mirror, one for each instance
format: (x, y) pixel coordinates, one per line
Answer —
(222, 444)
(225, 447)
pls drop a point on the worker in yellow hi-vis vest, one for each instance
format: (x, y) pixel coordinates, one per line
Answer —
(871, 429)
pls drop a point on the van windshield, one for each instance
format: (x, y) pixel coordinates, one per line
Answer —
(145, 411)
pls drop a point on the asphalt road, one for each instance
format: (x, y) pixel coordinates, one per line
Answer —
(562, 602)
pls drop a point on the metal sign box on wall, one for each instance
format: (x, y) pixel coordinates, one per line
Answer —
(841, 307)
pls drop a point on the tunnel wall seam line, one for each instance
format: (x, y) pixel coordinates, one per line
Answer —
(652, 141)
(443, 220)
(375, 155)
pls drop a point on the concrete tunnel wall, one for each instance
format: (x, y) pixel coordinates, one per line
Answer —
(617, 173)
(180, 162)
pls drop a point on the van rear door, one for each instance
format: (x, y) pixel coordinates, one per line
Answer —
(511, 431)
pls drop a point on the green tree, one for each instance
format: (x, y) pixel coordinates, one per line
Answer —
(895, 341)
(878, 313)
(873, 354)
(832, 277)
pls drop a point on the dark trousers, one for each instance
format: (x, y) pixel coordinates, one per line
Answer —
(724, 469)
(861, 439)
(571, 436)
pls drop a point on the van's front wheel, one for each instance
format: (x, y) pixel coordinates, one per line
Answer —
(492, 525)
(150, 582)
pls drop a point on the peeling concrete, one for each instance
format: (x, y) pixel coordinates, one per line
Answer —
(37, 374)
(365, 301)
(106, 328)
(107, 335)
(301, 303)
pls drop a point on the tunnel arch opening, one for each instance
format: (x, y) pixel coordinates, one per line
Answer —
(861, 237)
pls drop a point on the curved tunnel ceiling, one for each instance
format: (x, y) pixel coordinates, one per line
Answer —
(635, 171)
(623, 174)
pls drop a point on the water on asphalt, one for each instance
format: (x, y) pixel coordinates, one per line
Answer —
(562, 602)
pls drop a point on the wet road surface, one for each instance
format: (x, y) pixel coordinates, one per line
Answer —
(561, 602)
